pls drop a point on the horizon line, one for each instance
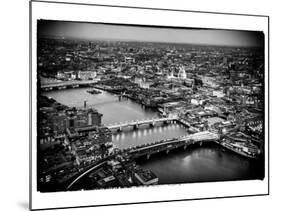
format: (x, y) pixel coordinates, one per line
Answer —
(143, 41)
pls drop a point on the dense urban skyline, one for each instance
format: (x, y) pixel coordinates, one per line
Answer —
(148, 112)
(92, 31)
(119, 114)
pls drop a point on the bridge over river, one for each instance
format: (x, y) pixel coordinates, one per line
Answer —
(136, 123)
(153, 148)
(68, 84)
(170, 144)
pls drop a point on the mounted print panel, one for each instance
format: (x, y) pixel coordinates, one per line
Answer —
(136, 105)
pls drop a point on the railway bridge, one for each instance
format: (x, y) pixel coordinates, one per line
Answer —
(153, 148)
(174, 143)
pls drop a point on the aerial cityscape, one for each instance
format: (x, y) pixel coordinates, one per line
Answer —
(116, 112)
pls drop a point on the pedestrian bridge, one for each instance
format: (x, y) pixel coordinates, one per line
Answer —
(136, 123)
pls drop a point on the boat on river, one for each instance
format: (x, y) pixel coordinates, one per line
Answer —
(94, 92)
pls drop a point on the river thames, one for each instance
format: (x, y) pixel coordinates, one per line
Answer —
(207, 163)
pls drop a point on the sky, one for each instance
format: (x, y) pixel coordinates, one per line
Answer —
(96, 31)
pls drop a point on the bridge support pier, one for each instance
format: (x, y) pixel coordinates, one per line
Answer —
(136, 126)
(119, 129)
(184, 147)
(147, 156)
(152, 124)
(200, 143)
(167, 151)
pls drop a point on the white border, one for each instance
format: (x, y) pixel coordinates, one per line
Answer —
(71, 12)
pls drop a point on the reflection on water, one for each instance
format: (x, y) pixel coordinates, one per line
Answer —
(146, 134)
(113, 110)
(207, 163)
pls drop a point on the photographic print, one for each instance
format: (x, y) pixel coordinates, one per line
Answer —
(125, 106)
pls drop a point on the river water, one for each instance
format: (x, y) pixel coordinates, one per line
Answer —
(207, 163)
(113, 109)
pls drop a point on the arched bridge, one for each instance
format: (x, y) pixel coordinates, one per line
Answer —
(136, 123)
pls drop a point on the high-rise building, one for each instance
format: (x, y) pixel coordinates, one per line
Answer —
(60, 121)
(94, 117)
(84, 118)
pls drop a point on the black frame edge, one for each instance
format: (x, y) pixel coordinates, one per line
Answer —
(147, 8)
